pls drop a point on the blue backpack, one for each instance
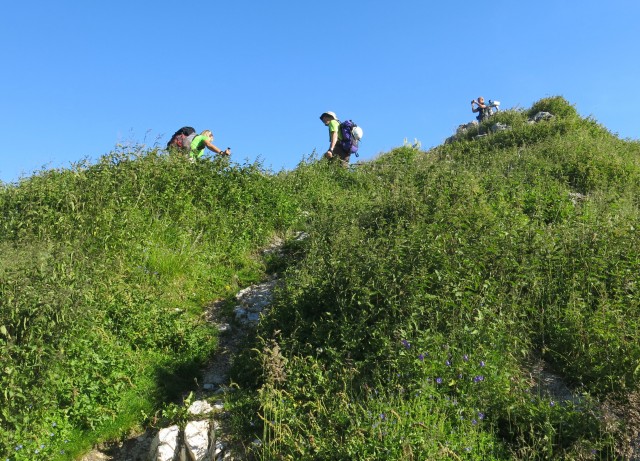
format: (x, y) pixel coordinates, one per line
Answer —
(349, 142)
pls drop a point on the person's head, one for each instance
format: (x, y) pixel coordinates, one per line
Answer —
(326, 117)
(207, 133)
(480, 100)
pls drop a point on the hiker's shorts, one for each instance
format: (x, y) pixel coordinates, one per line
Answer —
(339, 152)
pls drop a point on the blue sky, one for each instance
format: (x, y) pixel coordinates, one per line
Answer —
(80, 77)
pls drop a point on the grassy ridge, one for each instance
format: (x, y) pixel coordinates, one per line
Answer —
(431, 285)
(411, 321)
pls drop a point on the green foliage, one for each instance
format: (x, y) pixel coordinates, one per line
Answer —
(407, 321)
(555, 105)
(105, 271)
(422, 265)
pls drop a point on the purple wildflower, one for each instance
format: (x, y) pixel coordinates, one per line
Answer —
(465, 357)
(406, 343)
(448, 363)
(421, 357)
(439, 380)
(478, 378)
(482, 363)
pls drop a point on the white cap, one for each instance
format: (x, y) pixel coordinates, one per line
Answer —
(330, 114)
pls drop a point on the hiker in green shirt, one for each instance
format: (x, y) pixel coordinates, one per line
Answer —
(335, 136)
(205, 139)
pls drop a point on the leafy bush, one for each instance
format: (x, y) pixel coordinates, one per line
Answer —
(555, 105)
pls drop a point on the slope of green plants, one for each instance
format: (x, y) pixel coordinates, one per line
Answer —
(431, 286)
(104, 273)
(412, 322)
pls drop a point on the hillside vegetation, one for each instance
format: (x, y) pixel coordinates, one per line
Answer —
(435, 295)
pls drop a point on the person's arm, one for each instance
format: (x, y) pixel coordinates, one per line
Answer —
(215, 149)
(332, 144)
(477, 109)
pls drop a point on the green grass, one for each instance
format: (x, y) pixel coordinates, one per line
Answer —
(408, 322)
(104, 274)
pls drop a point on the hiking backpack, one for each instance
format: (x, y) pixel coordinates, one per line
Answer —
(182, 138)
(350, 137)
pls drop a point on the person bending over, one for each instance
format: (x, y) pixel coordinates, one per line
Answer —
(205, 139)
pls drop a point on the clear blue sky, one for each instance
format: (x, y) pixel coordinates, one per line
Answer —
(79, 77)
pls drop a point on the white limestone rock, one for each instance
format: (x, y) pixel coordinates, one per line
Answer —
(198, 440)
(165, 445)
(200, 407)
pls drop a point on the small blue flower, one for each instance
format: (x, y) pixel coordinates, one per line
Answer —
(482, 363)
(421, 357)
(552, 403)
(406, 343)
(478, 378)
(439, 380)
(480, 415)
(465, 357)
(474, 422)
(448, 363)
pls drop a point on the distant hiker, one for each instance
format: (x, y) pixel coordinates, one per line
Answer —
(181, 139)
(482, 108)
(335, 136)
(205, 139)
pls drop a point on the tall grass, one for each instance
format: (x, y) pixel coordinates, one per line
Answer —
(412, 322)
(433, 282)
(104, 274)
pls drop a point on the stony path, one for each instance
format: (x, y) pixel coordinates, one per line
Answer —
(153, 444)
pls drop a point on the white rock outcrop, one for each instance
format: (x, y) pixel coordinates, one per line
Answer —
(165, 445)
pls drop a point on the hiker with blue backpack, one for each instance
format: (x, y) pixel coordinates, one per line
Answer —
(343, 138)
(199, 142)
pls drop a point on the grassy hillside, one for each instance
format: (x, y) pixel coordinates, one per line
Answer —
(412, 323)
(435, 284)
(104, 272)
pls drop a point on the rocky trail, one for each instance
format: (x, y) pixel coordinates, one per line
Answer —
(203, 438)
